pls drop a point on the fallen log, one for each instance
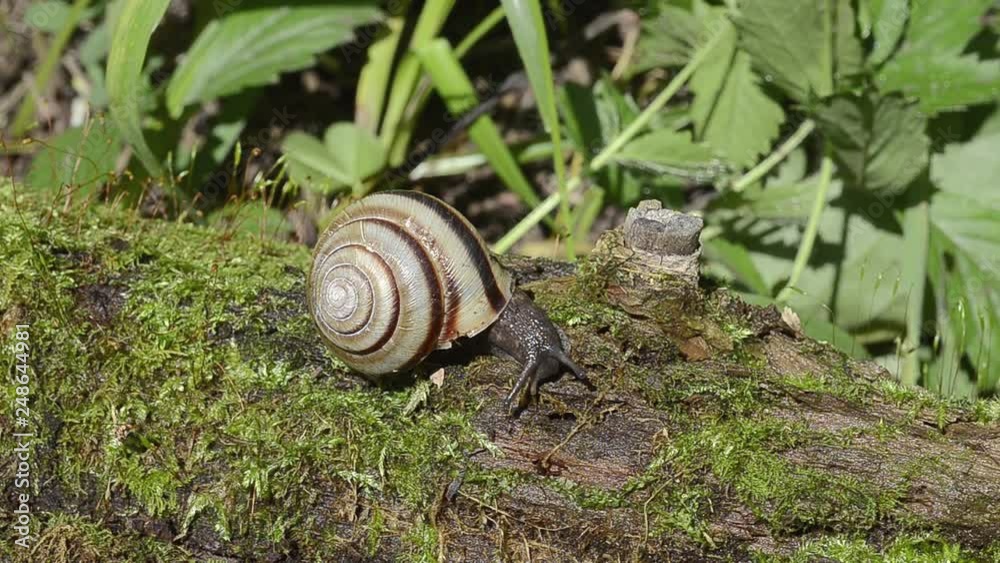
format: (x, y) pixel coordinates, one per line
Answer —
(183, 408)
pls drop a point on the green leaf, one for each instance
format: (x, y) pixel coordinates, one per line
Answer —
(941, 27)
(255, 44)
(880, 143)
(738, 261)
(931, 65)
(965, 251)
(668, 39)
(528, 27)
(670, 152)
(310, 164)
(942, 81)
(888, 23)
(52, 15)
(455, 88)
(788, 44)
(854, 273)
(82, 158)
(849, 55)
(347, 155)
(730, 111)
(593, 117)
(129, 43)
(397, 127)
(356, 151)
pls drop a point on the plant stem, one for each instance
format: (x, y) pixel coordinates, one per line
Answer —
(429, 22)
(415, 106)
(916, 236)
(26, 113)
(809, 237)
(550, 203)
(656, 105)
(533, 218)
(481, 29)
(757, 172)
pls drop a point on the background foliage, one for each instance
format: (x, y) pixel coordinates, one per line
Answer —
(843, 152)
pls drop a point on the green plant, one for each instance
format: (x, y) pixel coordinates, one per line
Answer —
(849, 145)
(874, 218)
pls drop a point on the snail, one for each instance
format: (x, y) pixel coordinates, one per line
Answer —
(399, 274)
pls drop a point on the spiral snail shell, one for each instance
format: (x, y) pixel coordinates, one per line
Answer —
(399, 274)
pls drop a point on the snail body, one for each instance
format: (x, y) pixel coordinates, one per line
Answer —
(400, 274)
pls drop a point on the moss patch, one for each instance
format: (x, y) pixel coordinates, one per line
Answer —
(168, 396)
(182, 399)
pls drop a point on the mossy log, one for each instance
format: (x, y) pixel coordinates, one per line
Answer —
(185, 409)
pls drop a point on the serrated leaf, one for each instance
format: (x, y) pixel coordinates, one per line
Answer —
(942, 27)
(670, 152)
(931, 65)
(255, 44)
(788, 44)
(668, 39)
(888, 19)
(880, 143)
(942, 82)
(730, 111)
(965, 251)
(849, 55)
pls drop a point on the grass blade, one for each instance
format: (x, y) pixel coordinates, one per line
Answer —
(26, 113)
(373, 83)
(432, 17)
(457, 91)
(528, 26)
(129, 43)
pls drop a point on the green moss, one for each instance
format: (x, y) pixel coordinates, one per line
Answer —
(177, 374)
(924, 548)
(423, 542)
(830, 384)
(744, 455)
(167, 398)
(987, 411)
(77, 539)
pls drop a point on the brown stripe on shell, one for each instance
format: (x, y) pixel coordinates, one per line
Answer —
(470, 240)
(454, 305)
(433, 283)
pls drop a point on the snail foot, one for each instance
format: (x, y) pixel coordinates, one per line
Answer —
(526, 387)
